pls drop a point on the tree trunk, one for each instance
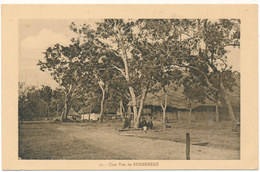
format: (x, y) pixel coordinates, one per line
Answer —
(102, 108)
(152, 111)
(134, 104)
(124, 57)
(131, 89)
(229, 106)
(230, 109)
(190, 112)
(190, 115)
(144, 92)
(121, 106)
(102, 103)
(217, 113)
(164, 107)
(179, 115)
(163, 119)
(65, 115)
(57, 110)
(48, 111)
(129, 111)
(141, 105)
(121, 110)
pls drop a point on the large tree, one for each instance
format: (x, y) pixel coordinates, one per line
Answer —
(120, 35)
(207, 42)
(67, 70)
(159, 45)
(96, 56)
(136, 55)
(199, 47)
(194, 90)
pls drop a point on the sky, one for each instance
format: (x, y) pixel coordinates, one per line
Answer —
(36, 35)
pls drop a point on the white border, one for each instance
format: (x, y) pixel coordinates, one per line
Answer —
(133, 2)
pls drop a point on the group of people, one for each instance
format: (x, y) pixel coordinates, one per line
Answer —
(146, 125)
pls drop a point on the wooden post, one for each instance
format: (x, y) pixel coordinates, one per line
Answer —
(187, 146)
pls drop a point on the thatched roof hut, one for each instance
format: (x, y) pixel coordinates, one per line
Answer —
(175, 99)
(72, 112)
(90, 106)
(84, 110)
(95, 107)
(89, 109)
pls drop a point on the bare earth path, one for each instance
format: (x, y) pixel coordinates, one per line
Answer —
(143, 148)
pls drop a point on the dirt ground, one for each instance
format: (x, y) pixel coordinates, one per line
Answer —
(107, 141)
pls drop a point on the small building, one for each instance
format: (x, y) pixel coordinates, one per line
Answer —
(94, 117)
(73, 115)
(178, 107)
(84, 113)
(87, 113)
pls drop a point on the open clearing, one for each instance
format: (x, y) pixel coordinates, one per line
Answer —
(105, 142)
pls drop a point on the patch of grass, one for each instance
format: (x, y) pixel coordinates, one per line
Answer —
(217, 135)
(66, 140)
(45, 141)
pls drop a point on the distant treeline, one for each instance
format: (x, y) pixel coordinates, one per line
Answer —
(44, 102)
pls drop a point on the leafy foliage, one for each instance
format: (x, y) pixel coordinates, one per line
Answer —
(36, 103)
(120, 60)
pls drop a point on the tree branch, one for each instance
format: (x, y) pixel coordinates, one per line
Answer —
(127, 96)
(120, 70)
(205, 76)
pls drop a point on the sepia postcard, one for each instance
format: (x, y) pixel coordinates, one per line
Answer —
(129, 87)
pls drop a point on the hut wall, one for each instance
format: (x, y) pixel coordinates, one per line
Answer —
(171, 116)
(94, 116)
(207, 114)
(84, 116)
(147, 111)
(73, 117)
(157, 115)
(183, 115)
(204, 114)
(70, 117)
(201, 114)
(197, 115)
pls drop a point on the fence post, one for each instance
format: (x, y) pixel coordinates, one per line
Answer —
(187, 146)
